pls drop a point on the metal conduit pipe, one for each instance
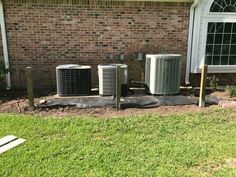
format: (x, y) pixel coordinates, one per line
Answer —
(190, 39)
(5, 46)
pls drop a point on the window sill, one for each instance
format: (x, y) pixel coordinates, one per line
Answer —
(219, 69)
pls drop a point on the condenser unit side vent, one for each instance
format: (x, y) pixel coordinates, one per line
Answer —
(107, 78)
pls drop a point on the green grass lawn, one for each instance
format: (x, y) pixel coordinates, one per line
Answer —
(145, 146)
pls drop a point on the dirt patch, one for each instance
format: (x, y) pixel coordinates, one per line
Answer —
(208, 169)
(20, 106)
(212, 167)
(231, 163)
(223, 96)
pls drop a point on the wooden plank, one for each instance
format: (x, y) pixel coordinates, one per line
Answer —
(11, 145)
(203, 86)
(30, 88)
(7, 139)
(118, 87)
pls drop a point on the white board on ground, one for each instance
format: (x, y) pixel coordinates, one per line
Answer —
(7, 139)
(10, 144)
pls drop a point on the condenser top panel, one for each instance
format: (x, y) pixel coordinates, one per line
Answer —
(162, 55)
(73, 66)
(112, 65)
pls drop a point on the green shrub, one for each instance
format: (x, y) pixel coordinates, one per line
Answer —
(213, 82)
(231, 90)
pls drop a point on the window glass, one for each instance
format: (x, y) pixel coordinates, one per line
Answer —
(224, 60)
(225, 49)
(232, 60)
(227, 38)
(218, 38)
(219, 27)
(233, 50)
(210, 38)
(211, 27)
(233, 39)
(223, 6)
(234, 28)
(221, 44)
(228, 27)
(216, 60)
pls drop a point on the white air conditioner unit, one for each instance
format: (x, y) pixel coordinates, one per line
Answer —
(107, 78)
(162, 73)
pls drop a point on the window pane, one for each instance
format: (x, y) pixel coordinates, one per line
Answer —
(209, 49)
(234, 28)
(228, 27)
(232, 60)
(229, 9)
(217, 49)
(233, 50)
(233, 41)
(208, 60)
(224, 60)
(216, 60)
(218, 38)
(219, 27)
(225, 49)
(227, 38)
(211, 27)
(215, 8)
(210, 38)
(223, 6)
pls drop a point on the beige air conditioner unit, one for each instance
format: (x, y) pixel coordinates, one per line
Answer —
(162, 73)
(107, 78)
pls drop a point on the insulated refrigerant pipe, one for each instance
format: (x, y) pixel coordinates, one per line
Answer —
(5, 46)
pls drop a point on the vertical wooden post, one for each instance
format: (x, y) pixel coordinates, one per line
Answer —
(203, 86)
(118, 88)
(30, 87)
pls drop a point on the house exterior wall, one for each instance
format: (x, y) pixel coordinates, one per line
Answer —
(46, 35)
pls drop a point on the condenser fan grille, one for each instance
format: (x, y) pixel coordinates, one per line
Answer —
(73, 81)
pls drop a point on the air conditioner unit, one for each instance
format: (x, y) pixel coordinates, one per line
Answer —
(73, 80)
(162, 73)
(107, 78)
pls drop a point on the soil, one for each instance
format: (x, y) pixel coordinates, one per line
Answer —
(20, 106)
(231, 163)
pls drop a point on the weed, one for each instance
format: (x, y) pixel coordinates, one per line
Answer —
(231, 90)
(3, 72)
(213, 82)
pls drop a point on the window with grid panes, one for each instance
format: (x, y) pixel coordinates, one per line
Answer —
(221, 36)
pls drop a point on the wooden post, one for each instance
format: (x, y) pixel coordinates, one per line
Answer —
(203, 86)
(30, 88)
(118, 88)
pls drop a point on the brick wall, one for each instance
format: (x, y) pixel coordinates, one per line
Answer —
(46, 35)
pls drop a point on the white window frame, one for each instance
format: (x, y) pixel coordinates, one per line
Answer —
(198, 55)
